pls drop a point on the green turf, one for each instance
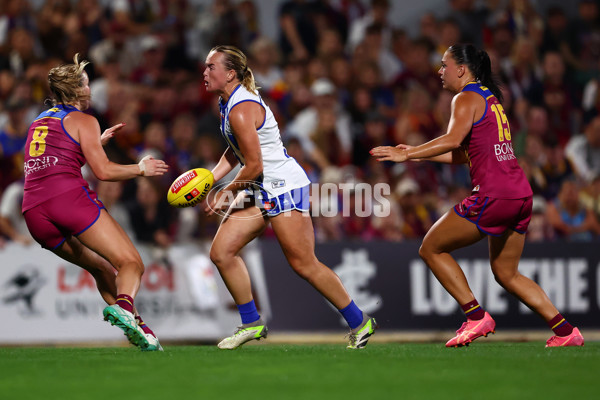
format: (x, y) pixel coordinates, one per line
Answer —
(381, 371)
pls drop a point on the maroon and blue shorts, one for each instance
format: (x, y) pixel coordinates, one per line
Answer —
(70, 213)
(495, 216)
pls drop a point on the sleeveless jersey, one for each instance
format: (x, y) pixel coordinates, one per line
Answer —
(53, 159)
(493, 166)
(281, 173)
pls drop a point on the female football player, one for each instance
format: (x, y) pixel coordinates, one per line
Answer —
(499, 206)
(65, 216)
(270, 187)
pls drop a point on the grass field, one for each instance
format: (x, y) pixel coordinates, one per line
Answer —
(279, 371)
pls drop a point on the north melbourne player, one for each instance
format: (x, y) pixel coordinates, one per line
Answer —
(270, 187)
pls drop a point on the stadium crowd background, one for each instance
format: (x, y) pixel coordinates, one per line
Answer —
(341, 78)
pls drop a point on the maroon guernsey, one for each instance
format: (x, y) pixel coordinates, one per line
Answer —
(492, 162)
(53, 159)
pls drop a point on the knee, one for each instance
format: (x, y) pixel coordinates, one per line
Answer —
(425, 251)
(138, 266)
(218, 255)
(215, 255)
(504, 278)
(130, 261)
(305, 267)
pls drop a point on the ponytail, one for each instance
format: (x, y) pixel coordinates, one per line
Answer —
(478, 62)
(248, 81)
(485, 76)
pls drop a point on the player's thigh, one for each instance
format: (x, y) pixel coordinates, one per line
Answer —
(505, 253)
(239, 227)
(295, 233)
(449, 233)
(108, 239)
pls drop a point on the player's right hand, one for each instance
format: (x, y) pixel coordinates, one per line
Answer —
(152, 167)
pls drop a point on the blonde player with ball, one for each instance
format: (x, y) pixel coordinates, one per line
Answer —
(281, 187)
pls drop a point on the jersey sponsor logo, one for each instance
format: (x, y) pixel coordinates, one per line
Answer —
(39, 163)
(504, 151)
(278, 184)
(183, 181)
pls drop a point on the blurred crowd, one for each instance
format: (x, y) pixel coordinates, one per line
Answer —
(341, 78)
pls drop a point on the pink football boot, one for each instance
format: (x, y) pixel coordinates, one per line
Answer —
(471, 330)
(574, 339)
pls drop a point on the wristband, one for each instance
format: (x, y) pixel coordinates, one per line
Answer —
(142, 165)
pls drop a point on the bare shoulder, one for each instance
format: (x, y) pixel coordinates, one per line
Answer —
(247, 112)
(78, 117)
(246, 107)
(469, 104)
(466, 98)
(78, 123)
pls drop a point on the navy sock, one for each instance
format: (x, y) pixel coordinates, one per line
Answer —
(248, 312)
(352, 314)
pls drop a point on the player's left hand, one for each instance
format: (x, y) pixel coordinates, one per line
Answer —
(109, 133)
(389, 153)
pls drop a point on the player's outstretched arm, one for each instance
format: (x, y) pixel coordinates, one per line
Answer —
(457, 156)
(464, 106)
(86, 129)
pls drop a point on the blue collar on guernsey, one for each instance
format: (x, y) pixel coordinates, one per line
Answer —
(224, 117)
(469, 84)
(483, 91)
(224, 106)
(67, 107)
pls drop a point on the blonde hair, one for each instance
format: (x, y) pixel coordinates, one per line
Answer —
(234, 59)
(66, 81)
